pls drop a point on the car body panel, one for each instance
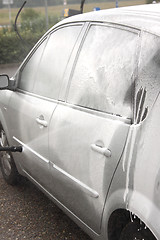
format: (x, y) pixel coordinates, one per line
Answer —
(83, 175)
(145, 179)
(145, 17)
(25, 111)
(4, 103)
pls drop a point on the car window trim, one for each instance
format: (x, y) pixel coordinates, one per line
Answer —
(37, 96)
(96, 112)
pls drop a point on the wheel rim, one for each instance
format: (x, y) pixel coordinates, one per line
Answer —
(5, 156)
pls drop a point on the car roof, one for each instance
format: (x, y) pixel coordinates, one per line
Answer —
(143, 17)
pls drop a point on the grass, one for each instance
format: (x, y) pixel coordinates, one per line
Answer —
(57, 10)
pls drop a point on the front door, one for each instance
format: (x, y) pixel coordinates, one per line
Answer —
(35, 100)
(29, 116)
(29, 119)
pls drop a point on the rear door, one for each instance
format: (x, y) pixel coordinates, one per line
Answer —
(35, 100)
(88, 132)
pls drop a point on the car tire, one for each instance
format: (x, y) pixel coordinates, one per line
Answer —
(133, 230)
(8, 167)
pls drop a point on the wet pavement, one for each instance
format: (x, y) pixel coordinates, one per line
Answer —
(9, 69)
(26, 213)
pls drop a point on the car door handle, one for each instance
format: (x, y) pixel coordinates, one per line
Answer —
(40, 120)
(102, 150)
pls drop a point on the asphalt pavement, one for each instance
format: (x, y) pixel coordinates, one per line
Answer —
(26, 213)
(9, 69)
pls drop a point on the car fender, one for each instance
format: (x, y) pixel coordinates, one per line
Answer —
(3, 124)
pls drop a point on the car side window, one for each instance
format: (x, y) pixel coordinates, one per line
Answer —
(53, 63)
(103, 77)
(148, 69)
(28, 71)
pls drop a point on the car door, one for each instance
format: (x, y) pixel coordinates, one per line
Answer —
(35, 100)
(87, 133)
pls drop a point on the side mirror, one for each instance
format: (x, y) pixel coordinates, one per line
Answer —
(4, 81)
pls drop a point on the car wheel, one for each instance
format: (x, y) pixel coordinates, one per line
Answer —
(135, 231)
(8, 167)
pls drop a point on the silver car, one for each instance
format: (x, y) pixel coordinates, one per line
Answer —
(84, 109)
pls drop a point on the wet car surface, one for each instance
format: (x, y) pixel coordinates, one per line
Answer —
(88, 134)
(26, 213)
